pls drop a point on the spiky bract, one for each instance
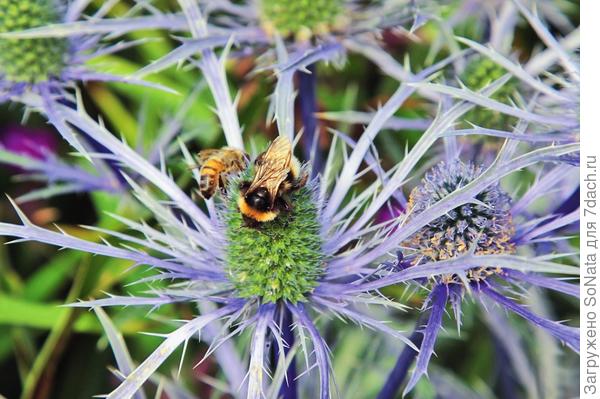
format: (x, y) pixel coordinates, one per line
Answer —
(485, 227)
(30, 60)
(301, 18)
(281, 259)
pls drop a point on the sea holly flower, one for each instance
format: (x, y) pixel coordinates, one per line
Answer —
(485, 226)
(47, 67)
(287, 258)
(545, 82)
(28, 141)
(325, 261)
(302, 19)
(32, 156)
(259, 23)
(451, 204)
(549, 104)
(294, 36)
(198, 257)
(58, 177)
(43, 64)
(30, 61)
(325, 31)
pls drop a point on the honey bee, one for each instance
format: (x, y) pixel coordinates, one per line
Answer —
(215, 165)
(278, 173)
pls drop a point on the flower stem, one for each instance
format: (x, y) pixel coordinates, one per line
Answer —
(398, 374)
(505, 376)
(307, 97)
(569, 205)
(288, 388)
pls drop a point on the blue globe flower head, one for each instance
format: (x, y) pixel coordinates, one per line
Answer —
(282, 259)
(480, 227)
(483, 227)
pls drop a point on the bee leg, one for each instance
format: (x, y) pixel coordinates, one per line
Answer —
(249, 222)
(207, 192)
(284, 203)
(244, 186)
(300, 182)
(223, 184)
(259, 159)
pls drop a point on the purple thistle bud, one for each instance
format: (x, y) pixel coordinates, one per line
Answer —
(390, 212)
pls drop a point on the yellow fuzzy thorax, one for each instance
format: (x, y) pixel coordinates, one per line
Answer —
(254, 214)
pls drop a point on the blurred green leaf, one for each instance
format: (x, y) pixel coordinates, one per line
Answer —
(162, 101)
(125, 124)
(52, 276)
(21, 312)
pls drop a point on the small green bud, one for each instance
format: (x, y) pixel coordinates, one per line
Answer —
(30, 60)
(302, 18)
(478, 74)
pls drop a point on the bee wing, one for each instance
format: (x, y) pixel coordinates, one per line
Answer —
(204, 155)
(240, 160)
(273, 166)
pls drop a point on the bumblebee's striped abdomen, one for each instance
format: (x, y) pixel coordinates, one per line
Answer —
(209, 177)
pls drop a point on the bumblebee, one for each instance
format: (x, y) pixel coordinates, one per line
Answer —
(215, 165)
(277, 174)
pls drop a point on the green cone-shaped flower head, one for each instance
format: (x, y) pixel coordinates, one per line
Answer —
(277, 260)
(479, 73)
(30, 60)
(302, 18)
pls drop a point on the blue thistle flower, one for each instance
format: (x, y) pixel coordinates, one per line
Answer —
(286, 257)
(527, 93)
(491, 281)
(483, 226)
(330, 28)
(59, 177)
(192, 246)
(210, 254)
(34, 60)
